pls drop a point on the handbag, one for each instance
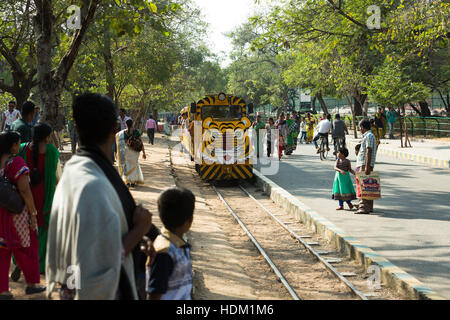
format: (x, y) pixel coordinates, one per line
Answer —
(370, 185)
(10, 198)
(135, 143)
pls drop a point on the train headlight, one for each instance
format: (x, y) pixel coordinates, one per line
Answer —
(222, 96)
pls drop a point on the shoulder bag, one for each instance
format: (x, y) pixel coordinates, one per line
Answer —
(10, 198)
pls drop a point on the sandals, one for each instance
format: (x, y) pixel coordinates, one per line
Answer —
(339, 208)
(34, 290)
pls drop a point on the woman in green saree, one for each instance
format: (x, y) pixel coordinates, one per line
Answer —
(291, 127)
(42, 159)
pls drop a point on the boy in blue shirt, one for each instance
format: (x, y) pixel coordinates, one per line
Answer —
(169, 277)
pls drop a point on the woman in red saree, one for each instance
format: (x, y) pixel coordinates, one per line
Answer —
(18, 232)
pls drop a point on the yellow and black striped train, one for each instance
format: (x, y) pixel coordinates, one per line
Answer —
(215, 133)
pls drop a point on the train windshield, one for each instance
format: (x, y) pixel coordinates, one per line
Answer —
(222, 112)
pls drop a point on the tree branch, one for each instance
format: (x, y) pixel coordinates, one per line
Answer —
(67, 61)
(342, 13)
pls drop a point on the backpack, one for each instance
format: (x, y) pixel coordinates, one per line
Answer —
(135, 143)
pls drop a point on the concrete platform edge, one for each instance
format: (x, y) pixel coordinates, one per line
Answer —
(391, 275)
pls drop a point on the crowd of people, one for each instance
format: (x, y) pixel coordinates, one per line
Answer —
(66, 224)
(31, 163)
(81, 227)
(294, 128)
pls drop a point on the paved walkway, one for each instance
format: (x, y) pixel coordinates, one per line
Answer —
(429, 152)
(410, 224)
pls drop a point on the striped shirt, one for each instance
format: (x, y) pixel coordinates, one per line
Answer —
(368, 141)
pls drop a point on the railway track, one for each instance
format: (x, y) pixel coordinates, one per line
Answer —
(301, 239)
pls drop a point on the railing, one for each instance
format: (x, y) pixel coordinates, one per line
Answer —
(426, 127)
(417, 126)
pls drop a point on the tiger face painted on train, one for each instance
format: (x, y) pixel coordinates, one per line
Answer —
(225, 146)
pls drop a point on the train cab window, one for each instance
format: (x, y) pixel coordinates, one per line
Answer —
(222, 112)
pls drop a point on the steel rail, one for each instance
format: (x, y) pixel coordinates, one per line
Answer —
(309, 248)
(260, 249)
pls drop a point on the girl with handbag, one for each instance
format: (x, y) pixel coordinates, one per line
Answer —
(129, 148)
(18, 232)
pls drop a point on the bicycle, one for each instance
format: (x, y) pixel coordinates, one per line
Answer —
(339, 144)
(323, 152)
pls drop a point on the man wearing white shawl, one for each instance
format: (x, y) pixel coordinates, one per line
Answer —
(94, 224)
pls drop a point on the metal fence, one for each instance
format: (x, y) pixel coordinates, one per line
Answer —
(426, 127)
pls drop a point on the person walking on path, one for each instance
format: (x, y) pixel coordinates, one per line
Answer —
(170, 275)
(391, 115)
(22, 125)
(291, 134)
(123, 118)
(269, 127)
(18, 232)
(257, 126)
(343, 189)
(128, 158)
(282, 135)
(380, 122)
(42, 159)
(295, 135)
(9, 116)
(339, 129)
(310, 122)
(365, 161)
(94, 222)
(302, 129)
(150, 126)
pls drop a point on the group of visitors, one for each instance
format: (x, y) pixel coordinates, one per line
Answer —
(294, 128)
(289, 128)
(30, 162)
(89, 244)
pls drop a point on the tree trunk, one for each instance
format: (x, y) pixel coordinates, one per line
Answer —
(419, 112)
(43, 25)
(366, 107)
(51, 83)
(109, 64)
(313, 104)
(424, 109)
(359, 100)
(322, 102)
(352, 109)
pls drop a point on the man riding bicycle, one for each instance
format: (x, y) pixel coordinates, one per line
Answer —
(339, 129)
(323, 129)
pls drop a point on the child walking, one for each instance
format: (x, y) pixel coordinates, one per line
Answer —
(170, 275)
(343, 189)
(303, 130)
